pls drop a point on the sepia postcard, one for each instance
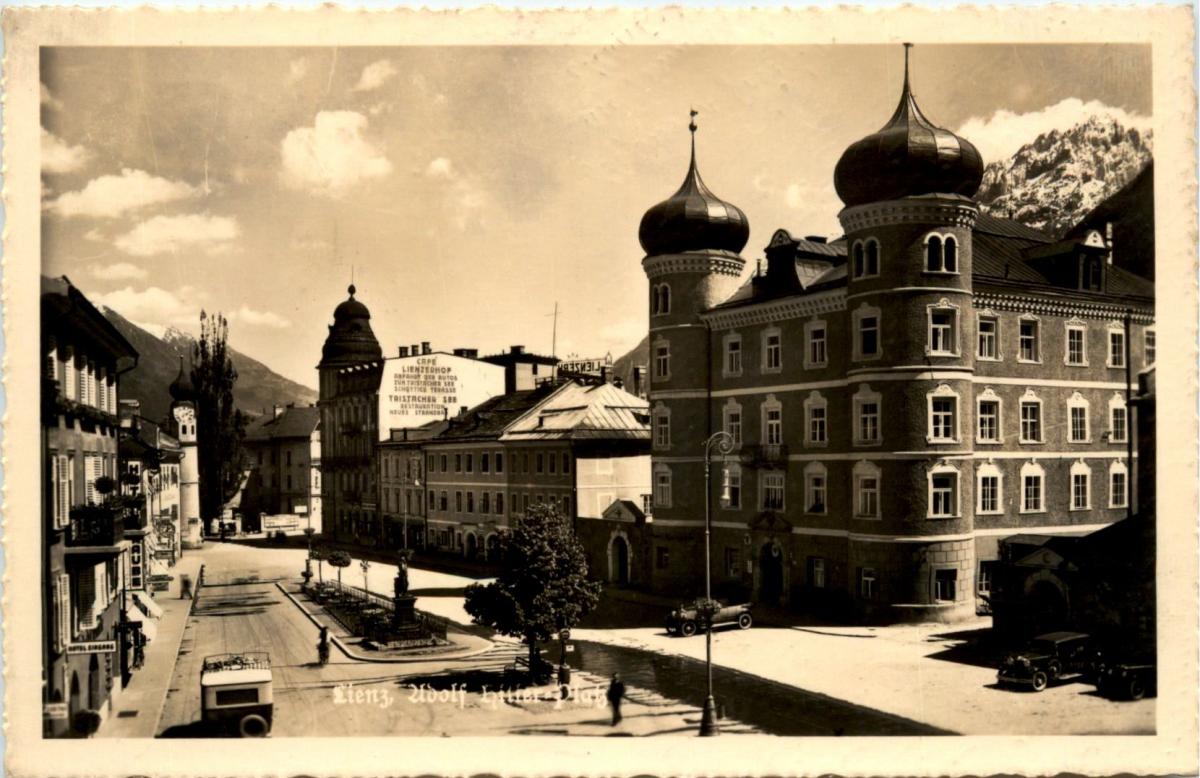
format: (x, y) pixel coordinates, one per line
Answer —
(416, 392)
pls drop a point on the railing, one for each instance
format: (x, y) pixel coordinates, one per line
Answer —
(433, 625)
(95, 526)
(770, 455)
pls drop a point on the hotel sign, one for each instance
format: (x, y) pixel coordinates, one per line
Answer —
(92, 647)
(586, 366)
(419, 389)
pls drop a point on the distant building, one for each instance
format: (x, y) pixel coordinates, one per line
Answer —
(284, 450)
(86, 652)
(150, 467)
(402, 485)
(898, 399)
(183, 428)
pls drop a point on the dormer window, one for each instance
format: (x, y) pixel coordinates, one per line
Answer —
(941, 254)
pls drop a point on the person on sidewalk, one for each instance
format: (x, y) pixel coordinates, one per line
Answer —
(185, 587)
(616, 692)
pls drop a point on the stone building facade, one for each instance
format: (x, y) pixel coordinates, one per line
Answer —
(897, 399)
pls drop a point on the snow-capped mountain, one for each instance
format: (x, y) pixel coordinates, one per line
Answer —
(1061, 176)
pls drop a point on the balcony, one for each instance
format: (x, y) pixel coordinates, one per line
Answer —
(96, 530)
(766, 456)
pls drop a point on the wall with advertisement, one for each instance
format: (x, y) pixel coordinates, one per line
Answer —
(419, 389)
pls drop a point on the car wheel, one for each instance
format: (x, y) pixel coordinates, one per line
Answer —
(687, 629)
(744, 621)
(253, 726)
(1040, 681)
(1136, 689)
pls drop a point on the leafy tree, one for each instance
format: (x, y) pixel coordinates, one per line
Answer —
(339, 559)
(543, 585)
(220, 426)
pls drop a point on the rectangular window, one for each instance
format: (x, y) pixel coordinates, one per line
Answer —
(734, 497)
(989, 494)
(733, 425)
(458, 463)
(1076, 351)
(732, 569)
(432, 500)
(733, 356)
(1118, 423)
(1031, 422)
(816, 347)
(943, 499)
(816, 572)
(868, 422)
(662, 490)
(470, 502)
(1150, 351)
(499, 462)
(662, 361)
(867, 588)
(499, 503)
(1028, 341)
(540, 459)
(987, 339)
(773, 491)
(444, 468)
(868, 496)
(983, 582)
(817, 430)
(1031, 493)
(552, 463)
(470, 463)
(943, 425)
(566, 463)
(815, 493)
(1080, 495)
(945, 585)
(774, 430)
(662, 430)
(941, 332)
(868, 336)
(989, 420)
(485, 463)
(772, 351)
(1116, 348)
(1118, 489)
(1079, 424)
(458, 501)
(662, 557)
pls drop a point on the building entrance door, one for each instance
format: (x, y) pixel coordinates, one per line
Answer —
(770, 587)
(472, 547)
(620, 550)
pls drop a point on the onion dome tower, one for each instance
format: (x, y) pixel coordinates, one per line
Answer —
(351, 340)
(908, 156)
(909, 221)
(181, 389)
(183, 426)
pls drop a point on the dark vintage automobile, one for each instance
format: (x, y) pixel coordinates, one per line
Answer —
(1048, 658)
(1125, 677)
(688, 618)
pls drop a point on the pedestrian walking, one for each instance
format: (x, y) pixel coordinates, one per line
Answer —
(185, 587)
(616, 692)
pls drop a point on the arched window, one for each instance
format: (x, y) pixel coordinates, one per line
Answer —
(1033, 488)
(1081, 486)
(665, 303)
(866, 258)
(872, 257)
(662, 486)
(1118, 485)
(950, 255)
(943, 491)
(933, 253)
(859, 259)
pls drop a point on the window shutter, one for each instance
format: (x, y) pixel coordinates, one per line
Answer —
(86, 589)
(89, 479)
(55, 508)
(63, 616)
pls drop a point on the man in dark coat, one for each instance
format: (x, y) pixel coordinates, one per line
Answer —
(616, 691)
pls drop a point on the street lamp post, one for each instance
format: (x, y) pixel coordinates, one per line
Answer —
(723, 442)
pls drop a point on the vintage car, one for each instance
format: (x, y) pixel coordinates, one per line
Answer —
(1126, 678)
(688, 617)
(1048, 658)
(235, 693)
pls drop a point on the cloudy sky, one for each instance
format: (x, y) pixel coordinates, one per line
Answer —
(470, 189)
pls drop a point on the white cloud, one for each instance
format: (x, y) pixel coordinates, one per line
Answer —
(94, 234)
(113, 195)
(152, 308)
(297, 70)
(250, 317)
(1002, 134)
(380, 108)
(375, 75)
(440, 167)
(168, 234)
(463, 197)
(331, 156)
(49, 100)
(58, 156)
(118, 271)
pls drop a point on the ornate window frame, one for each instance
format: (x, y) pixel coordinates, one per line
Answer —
(864, 469)
(1115, 328)
(943, 306)
(734, 469)
(770, 403)
(656, 373)
(1079, 467)
(1117, 402)
(731, 406)
(661, 437)
(989, 395)
(1030, 397)
(662, 490)
(941, 392)
(943, 239)
(816, 470)
(816, 400)
(865, 395)
(1032, 469)
(989, 469)
(764, 338)
(772, 475)
(860, 258)
(728, 339)
(987, 314)
(1118, 466)
(1075, 324)
(809, 326)
(1077, 400)
(943, 467)
(1037, 338)
(864, 311)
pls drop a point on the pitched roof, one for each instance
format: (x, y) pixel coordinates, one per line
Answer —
(489, 419)
(294, 422)
(585, 411)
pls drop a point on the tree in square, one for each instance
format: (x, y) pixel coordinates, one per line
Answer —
(542, 587)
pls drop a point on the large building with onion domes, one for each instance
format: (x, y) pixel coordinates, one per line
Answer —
(894, 400)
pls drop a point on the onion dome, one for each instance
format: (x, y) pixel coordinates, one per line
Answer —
(908, 156)
(350, 339)
(181, 388)
(693, 219)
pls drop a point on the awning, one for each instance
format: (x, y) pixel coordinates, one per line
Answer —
(149, 628)
(149, 605)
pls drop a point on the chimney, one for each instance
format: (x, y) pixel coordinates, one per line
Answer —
(462, 410)
(471, 353)
(604, 374)
(404, 351)
(414, 349)
(637, 380)
(425, 349)
(516, 349)
(617, 382)
(816, 239)
(1108, 240)
(277, 410)
(460, 352)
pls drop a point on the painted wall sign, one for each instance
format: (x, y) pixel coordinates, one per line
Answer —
(429, 387)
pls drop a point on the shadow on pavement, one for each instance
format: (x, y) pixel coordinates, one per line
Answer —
(976, 647)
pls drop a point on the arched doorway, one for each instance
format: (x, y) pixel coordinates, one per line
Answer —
(94, 683)
(74, 703)
(492, 544)
(1047, 608)
(472, 546)
(770, 587)
(619, 560)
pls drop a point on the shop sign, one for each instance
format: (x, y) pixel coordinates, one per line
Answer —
(591, 366)
(56, 711)
(92, 647)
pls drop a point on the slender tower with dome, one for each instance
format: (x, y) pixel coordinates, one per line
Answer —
(348, 420)
(183, 420)
(692, 241)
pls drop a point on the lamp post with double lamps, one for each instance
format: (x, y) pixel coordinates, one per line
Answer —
(723, 443)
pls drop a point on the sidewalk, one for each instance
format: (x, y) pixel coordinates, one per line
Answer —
(140, 704)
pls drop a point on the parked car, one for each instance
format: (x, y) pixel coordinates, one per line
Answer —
(236, 694)
(688, 618)
(1126, 678)
(1048, 658)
